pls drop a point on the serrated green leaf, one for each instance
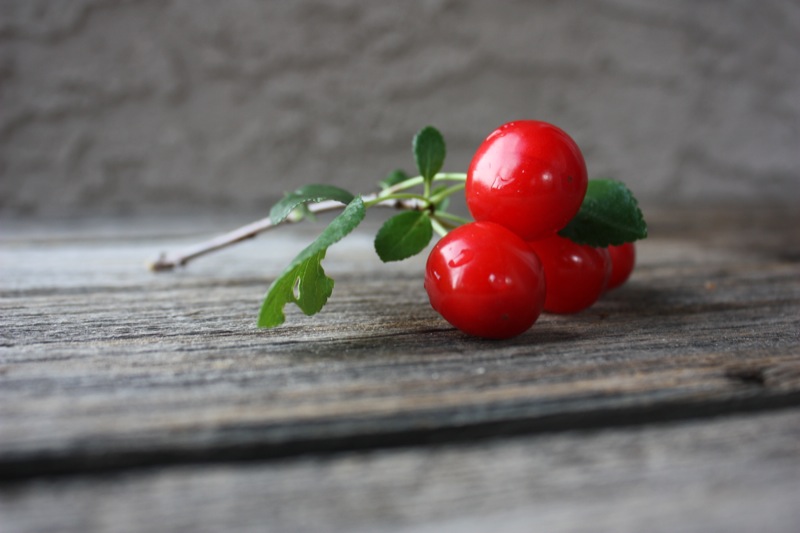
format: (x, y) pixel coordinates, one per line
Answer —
(313, 286)
(395, 177)
(609, 215)
(305, 284)
(304, 281)
(403, 235)
(429, 152)
(304, 195)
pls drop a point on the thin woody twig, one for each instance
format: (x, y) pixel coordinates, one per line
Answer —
(169, 261)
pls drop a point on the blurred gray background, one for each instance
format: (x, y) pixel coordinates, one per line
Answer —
(180, 106)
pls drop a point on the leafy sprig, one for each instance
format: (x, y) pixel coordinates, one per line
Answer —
(304, 281)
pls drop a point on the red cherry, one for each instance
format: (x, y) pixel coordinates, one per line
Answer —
(485, 281)
(528, 176)
(576, 274)
(623, 259)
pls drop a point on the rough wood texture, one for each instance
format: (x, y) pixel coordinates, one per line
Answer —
(736, 474)
(105, 367)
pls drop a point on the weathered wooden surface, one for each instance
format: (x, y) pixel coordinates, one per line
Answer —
(107, 368)
(721, 475)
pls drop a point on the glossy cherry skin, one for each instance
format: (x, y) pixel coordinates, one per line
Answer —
(576, 274)
(528, 176)
(623, 259)
(485, 281)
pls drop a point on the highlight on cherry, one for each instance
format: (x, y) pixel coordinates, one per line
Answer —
(542, 237)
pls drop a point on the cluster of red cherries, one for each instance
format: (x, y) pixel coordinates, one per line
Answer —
(493, 277)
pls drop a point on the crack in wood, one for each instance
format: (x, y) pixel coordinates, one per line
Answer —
(248, 443)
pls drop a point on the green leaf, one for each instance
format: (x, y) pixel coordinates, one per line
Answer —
(304, 281)
(608, 215)
(403, 235)
(429, 152)
(304, 195)
(395, 177)
(305, 284)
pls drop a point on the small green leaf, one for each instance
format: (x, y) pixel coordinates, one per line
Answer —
(305, 284)
(429, 152)
(403, 235)
(304, 281)
(395, 177)
(304, 195)
(608, 215)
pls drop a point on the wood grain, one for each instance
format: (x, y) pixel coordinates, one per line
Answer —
(105, 366)
(726, 474)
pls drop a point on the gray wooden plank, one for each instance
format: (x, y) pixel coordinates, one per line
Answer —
(728, 474)
(104, 365)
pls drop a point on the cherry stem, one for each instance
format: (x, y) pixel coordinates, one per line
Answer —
(439, 227)
(452, 218)
(439, 196)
